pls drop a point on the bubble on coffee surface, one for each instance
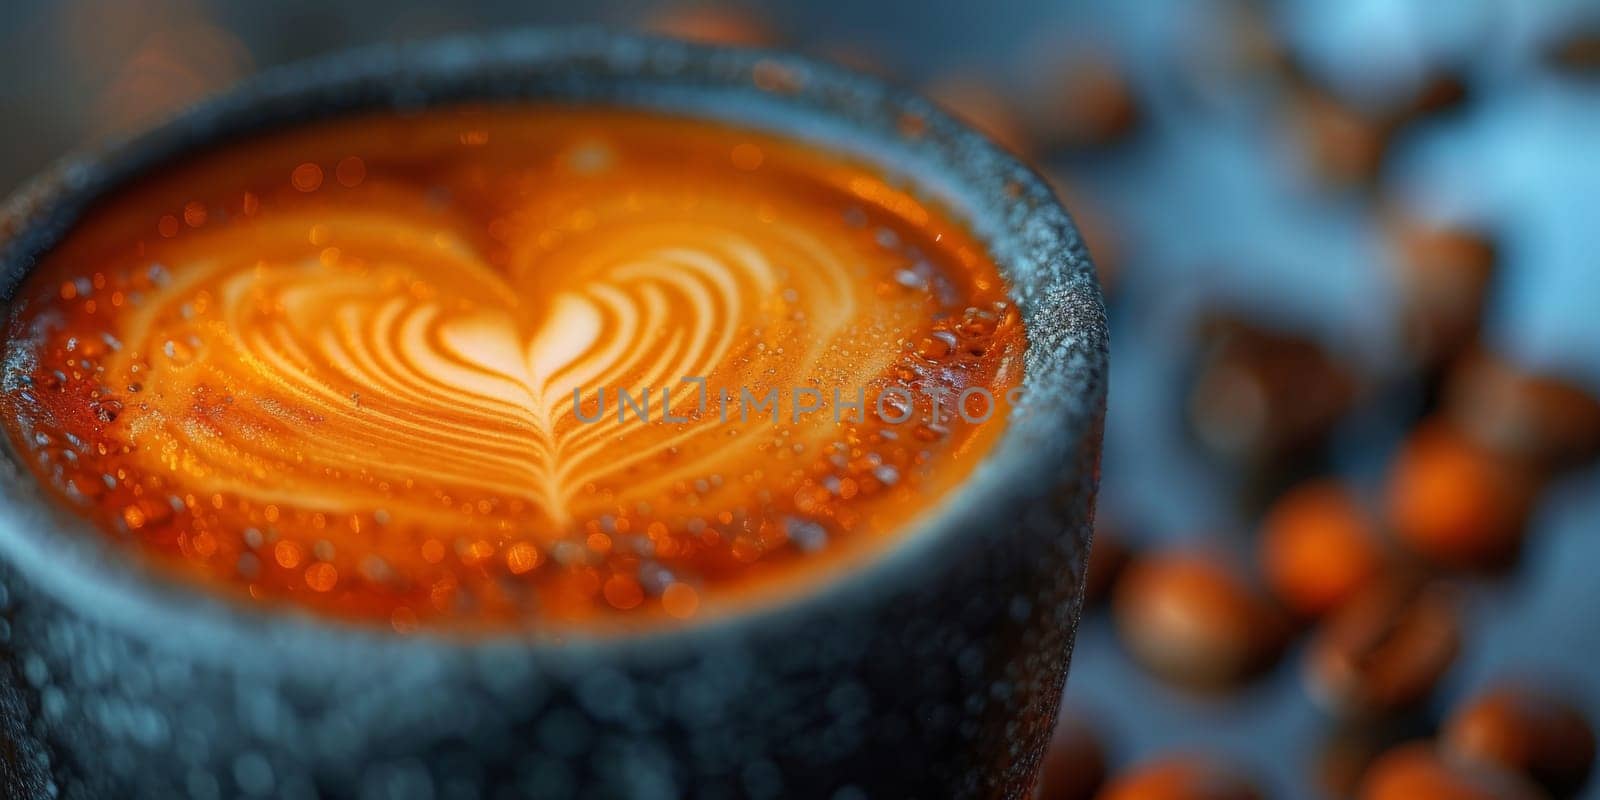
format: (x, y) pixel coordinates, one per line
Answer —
(431, 373)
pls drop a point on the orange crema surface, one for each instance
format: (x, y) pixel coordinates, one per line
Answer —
(334, 368)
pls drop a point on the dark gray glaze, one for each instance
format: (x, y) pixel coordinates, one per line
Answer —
(934, 671)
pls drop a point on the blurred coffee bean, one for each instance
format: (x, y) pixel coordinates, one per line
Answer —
(1383, 651)
(1527, 730)
(985, 107)
(1107, 558)
(1340, 765)
(1088, 103)
(1444, 277)
(181, 56)
(1345, 142)
(1342, 144)
(1577, 53)
(1194, 621)
(1181, 778)
(1262, 396)
(1343, 759)
(714, 24)
(1439, 93)
(1238, 53)
(1318, 547)
(1254, 44)
(1457, 503)
(1075, 764)
(1545, 421)
(1417, 772)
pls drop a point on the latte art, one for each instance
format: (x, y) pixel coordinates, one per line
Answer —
(470, 388)
(364, 367)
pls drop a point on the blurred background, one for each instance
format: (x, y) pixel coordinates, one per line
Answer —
(1350, 525)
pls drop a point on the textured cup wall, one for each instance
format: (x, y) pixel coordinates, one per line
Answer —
(933, 671)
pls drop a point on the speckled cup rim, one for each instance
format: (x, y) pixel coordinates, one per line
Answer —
(1005, 203)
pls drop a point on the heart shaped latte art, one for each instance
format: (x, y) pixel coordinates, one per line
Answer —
(390, 367)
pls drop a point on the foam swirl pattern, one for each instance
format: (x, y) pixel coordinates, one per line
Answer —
(471, 389)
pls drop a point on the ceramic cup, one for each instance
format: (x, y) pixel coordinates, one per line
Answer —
(934, 670)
